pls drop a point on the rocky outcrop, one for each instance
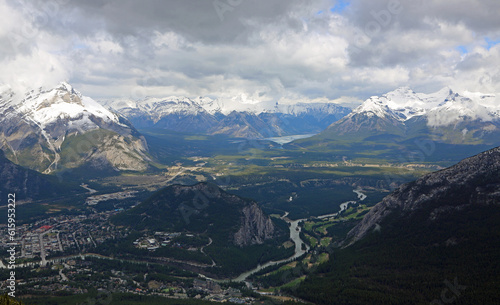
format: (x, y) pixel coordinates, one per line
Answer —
(256, 227)
(473, 181)
(206, 209)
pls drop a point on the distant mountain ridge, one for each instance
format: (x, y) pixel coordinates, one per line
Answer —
(205, 115)
(49, 130)
(404, 104)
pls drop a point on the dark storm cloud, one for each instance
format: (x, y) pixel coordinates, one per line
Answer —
(197, 20)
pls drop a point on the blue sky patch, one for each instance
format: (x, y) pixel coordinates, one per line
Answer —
(340, 6)
(491, 43)
(462, 50)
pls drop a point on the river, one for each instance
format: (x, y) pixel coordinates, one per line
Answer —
(345, 205)
(294, 236)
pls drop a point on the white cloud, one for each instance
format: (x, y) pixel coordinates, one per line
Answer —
(274, 51)
(37, 69)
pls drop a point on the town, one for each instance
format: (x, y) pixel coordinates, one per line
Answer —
(56, 255)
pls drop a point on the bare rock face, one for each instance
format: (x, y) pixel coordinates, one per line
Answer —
(256, 227)
(473, 181)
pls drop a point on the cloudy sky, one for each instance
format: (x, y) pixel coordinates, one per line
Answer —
(251, 50)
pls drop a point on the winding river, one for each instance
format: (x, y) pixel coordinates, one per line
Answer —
(294, 236)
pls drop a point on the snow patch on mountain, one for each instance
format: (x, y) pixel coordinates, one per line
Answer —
(375, 106)
(490, 101)
(235, 104)
(63, 103)
(458, 109)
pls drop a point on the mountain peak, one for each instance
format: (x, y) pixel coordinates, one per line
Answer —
(64, 86)
(373, 106)
(378, 107)
(62, 103)
(446, 90)
(402, 90)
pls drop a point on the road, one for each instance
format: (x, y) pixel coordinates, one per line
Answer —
(201, 250)
(42, 248)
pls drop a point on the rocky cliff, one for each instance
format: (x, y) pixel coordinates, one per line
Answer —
(255, 228)
(473, 181)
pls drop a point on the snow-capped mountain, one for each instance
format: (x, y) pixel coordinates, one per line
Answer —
(227, 106)
(404, 104)
(60, 128)
(444, 115)
(233, 118)
(63, 102)
(174, 113)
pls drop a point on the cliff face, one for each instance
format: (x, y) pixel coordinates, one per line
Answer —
(256, 227)
(473, 181)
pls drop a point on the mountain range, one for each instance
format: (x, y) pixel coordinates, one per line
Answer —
(50, 130)
(231, 118)
(444, 116)
(59, 128)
